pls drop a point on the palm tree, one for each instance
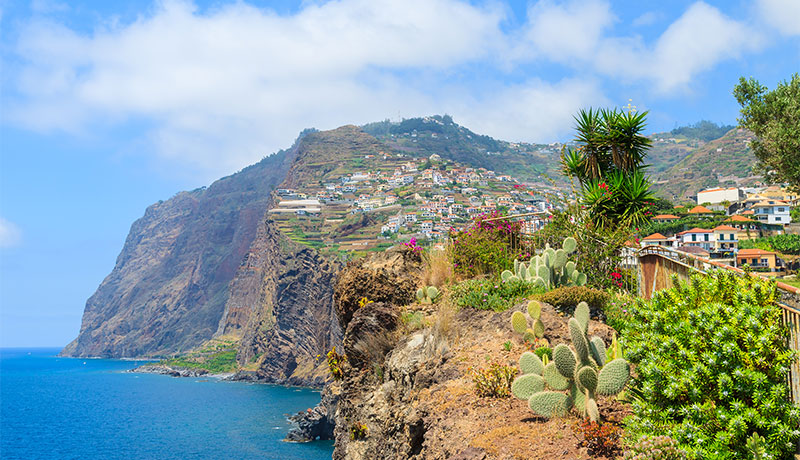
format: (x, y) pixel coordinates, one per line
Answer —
(609, 164)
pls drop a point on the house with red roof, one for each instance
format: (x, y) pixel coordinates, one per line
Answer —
(701, 211)
(656, 239)
(759, 258)
(663, 218)
(699, 237)
(725, 238)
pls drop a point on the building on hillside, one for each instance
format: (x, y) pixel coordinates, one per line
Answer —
(699, 237)
(719, 195)
(759, 258)
(656, 239)
(664, 218)
(747, 229)
(725, 238)
(700, 211)
(772, 212)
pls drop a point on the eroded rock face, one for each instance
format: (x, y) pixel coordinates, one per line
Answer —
(170, 283)
(370, 334)
(390, 277)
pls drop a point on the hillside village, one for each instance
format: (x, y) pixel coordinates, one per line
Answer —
(724, 218)
(394, 195)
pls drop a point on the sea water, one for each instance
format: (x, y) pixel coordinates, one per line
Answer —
(91, 409)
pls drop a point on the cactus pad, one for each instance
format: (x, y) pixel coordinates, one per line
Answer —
(613, 377)
(433, 293)
(538, 329)
(591, 410)
(582, 315)
(598, 350)
(569, 245)
(550, 404)
(565, 360)
(420, 294)
(560, 259)
(518, 322)
(534, 309)
(587, 377)
(506, 274)
(579, 340)
(553, 378)
(526, 385)
(530, 363)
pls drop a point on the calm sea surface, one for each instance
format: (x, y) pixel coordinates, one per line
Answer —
(61, 408)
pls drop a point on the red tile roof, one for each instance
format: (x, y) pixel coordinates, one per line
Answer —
(724, 227)
(654, 236)
(696, 230)
(666, 216)
(738, 218)
(699, 210)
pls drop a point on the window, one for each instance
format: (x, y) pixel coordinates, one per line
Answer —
(763, 261)
(755, 261)
(777, 218)
(706, 237)
(732, 237)
(694, 237)
(780, 209)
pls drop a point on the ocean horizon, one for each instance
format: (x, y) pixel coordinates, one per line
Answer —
(53, 407)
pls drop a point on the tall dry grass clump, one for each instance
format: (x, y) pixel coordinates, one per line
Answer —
(438, 266)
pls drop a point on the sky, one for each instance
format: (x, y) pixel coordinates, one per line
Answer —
(107, 107)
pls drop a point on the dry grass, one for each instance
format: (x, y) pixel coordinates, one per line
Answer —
(437, 270)
(444, 327)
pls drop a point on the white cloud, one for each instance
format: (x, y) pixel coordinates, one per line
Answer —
(646, 19)
(10, 234)
(697, 41)
(563, 32)
(784, 15)
(221, 88)
(227, 86)
(534, 111)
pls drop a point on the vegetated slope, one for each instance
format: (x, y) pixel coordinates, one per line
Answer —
(169, 286)
(727, 161)
(440, 135)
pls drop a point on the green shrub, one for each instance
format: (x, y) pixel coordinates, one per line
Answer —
(655, 448)
(488, 294)
(618, 309)
(564, 299)
(493, 381)
(335, 363)
(484, 247)
(712, 363)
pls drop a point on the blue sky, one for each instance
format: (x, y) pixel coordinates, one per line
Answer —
(108, 107)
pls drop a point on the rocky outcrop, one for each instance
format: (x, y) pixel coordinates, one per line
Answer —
(167, 370)
(170, 284)
(390, 277)
(288, 315)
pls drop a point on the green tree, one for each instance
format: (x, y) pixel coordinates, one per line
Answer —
(609, 164)
(774, 117)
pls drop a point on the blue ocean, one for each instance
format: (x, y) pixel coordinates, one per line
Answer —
(62, 408)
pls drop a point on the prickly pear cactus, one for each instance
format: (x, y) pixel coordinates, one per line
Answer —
(427, 294)
(533, 333)
(580, 370)
(550, 269)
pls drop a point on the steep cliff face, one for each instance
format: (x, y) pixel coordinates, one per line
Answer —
(170, 283)
(281, 307)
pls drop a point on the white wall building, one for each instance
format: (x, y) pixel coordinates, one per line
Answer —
(772, 212)
(718, 195)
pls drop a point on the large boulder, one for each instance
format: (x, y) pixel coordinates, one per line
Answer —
(371, 334)
(391, 277)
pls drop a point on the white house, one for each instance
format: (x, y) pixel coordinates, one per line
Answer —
(699, 237)
(772, 212)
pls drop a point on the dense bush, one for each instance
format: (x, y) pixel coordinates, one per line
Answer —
(491, 294)
(785, 244)
(655, 448)
(565, 298)
(712, 361)
(618, 309)
(493, 381)
(485, 247)
(599, 253)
